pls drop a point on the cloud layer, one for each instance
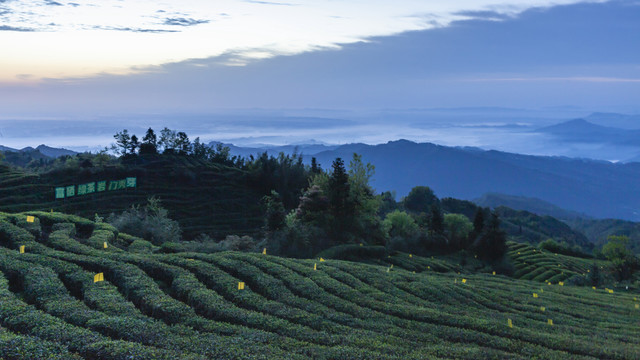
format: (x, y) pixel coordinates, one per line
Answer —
(60, 39)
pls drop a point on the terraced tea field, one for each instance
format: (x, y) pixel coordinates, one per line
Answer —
(190, 305)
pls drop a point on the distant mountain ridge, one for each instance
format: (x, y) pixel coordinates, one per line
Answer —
(597, 188)
(532, 205)
(581, 130)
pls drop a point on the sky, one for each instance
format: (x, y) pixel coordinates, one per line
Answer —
(88, 60)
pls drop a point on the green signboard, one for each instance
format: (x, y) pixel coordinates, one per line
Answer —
(92, 187)
(60, 193)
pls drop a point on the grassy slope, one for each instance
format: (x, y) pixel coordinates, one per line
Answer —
(203, 197)
(188, 306)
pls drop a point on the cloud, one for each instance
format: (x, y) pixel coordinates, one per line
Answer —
(180, 21)
(588, 79)
(13, 28)
(53, 3)
(136, 30)
(269, 3)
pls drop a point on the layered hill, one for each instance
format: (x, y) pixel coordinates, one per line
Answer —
(67, 296)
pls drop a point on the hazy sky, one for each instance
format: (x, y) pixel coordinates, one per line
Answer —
(129, 56)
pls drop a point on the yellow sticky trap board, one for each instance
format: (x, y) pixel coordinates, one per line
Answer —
(610, 291)
(635, 299)
(535, 295)
(410, 255)
(388, 269)
(315, 266)
(550, 322)
(561, 283)
(464, 281)
(593, 287)
(542, 308)
(98, 277)
(241, 285)
(509, 323)
(428, 267)
(264, 251)
(105, 245)
(637, 306)
(31, 219)
(361, 244)
(21, 249)
(494, 273)
(321, 259)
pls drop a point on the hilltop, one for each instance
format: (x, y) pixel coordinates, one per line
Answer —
(150, 305)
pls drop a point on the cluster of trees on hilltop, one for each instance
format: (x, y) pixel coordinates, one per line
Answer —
(340, 207)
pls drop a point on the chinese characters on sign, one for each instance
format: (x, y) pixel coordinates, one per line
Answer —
(93, 187)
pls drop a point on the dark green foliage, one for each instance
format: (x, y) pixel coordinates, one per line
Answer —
(420, 199)
(436, 219)
(274, 211)
(150, 222)
(491, 244)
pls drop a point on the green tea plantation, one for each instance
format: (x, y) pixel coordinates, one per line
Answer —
(71, 288)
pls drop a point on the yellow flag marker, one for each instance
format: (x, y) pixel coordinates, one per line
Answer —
(494, 273)
(315, 266)
(509, 323)
(21, 249)
(542, 308)
(535, 295)
(105, 245)
(31, 219)
(561, 283)
(264, 251)
(98, 277)
(464, 281)
(241, 285)
(321, 259)
(550, 322)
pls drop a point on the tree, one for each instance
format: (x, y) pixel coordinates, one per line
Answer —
(400, 224)
(339, 203)
(149, 143)
(623, 259)
(274, 211)
(492, 244)
(168, 140)
(457, 228)
(200, 150)
(436, 220)
(133, 144)
(478, 221)
(182, 144)
(420, 199)
(315, 167)
(123, 142)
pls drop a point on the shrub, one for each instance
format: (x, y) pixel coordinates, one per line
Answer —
(150, 223)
